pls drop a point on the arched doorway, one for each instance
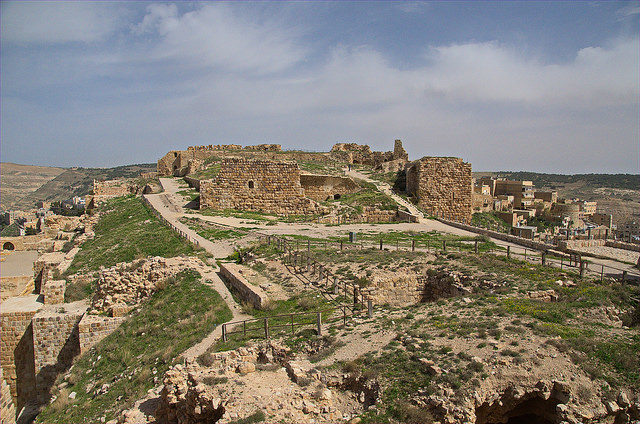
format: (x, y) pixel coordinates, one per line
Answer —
(8, 246)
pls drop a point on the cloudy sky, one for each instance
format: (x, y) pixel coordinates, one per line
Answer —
(538, 86)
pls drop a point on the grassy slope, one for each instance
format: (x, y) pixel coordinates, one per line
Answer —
(171, 321)
(127, 231)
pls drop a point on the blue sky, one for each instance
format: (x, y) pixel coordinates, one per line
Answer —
(539, 86)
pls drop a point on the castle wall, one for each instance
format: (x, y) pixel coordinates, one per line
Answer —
(56, 343)
(93, 328)
(53, 291)
(16, 347)
(442, 186)
(257, 186)
(8, 409)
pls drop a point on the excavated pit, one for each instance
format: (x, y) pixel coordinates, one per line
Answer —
(533, 410)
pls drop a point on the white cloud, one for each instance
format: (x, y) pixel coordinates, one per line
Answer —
(51, 22)
(214, 36)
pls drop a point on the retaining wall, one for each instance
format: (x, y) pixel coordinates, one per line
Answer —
(56, 343)
(622, 245)
(53, 291)
(93, 328)
(247, 291)
(500, 236)
(8, 409)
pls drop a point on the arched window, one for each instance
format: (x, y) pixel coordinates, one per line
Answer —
(8, 246)
(251, 185)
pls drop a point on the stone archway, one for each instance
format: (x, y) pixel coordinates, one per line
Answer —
(8, 246)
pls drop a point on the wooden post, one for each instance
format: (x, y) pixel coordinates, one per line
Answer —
(397, 245)
(413, 245)
(525, 254)
(244, 328)
(508, 252)
(475, 248)
(602, 274)
(355, 295)
(224, 332)
(380, 244)
(561, 261)
(340, 244)
(624, 276)
(336, 287)
(319, 323)
(369, 308)
(308, 246)
(344, 315)
(292, 328)
(544, 258)
(581, 268)
(444, 245)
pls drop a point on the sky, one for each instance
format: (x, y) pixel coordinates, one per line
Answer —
(529, 85)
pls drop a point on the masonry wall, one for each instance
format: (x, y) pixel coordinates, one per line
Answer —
(321, 187)
(247, 291)
(53, 291)
(16, 355)
(442, 186)
(56, 343)
(121, 187)
(257, 186)
(8, 409)
(93, 328)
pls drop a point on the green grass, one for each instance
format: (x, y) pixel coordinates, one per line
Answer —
(172, 320)
(489, 221)
(126, 231)
(369, 195)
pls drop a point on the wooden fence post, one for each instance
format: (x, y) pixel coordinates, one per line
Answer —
(336, 288)
(581, 268)
(508, 252)
(319, 323)
(355, 295)
(224, 332)
(266, 328)
(624, 276)
(369, 308)
(561, 261)
(413, 245)
(475, 248)
(380, 244)
(602, 274)
(293, 331)
(344, 315)
(444, 245)
(544, 258)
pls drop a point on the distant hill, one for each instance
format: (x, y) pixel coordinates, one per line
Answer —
(18, 180)
(68, 183)
(620, 181)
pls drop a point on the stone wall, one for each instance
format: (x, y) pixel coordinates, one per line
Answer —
(361, 154)
(500, 236)
(22, 242)
(93, 328)
(56, 343)
(623, 245)
(321, 187)
(53, 291)
(257, 186)
(120, 187)
(16, 353)
(232, 274)
(8, 409)
(442, 186)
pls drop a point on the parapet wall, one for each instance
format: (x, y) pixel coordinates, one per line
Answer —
(93, 328)
(232, 273)
(442, 186)
(257, 186)
(361, 154)
(500, 236)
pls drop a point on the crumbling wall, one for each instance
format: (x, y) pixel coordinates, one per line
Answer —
(119, 187)
(257, 186)
(8, 409)
(53, 291)
(361, 154)
(93, 328)
(442, 186)
(322, 187)
(56, 343)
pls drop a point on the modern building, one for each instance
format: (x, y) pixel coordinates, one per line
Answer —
(522, 192)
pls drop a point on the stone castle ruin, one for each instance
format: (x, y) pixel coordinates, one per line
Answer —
(264, 178)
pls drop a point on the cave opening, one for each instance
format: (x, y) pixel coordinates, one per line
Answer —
(532, 410)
